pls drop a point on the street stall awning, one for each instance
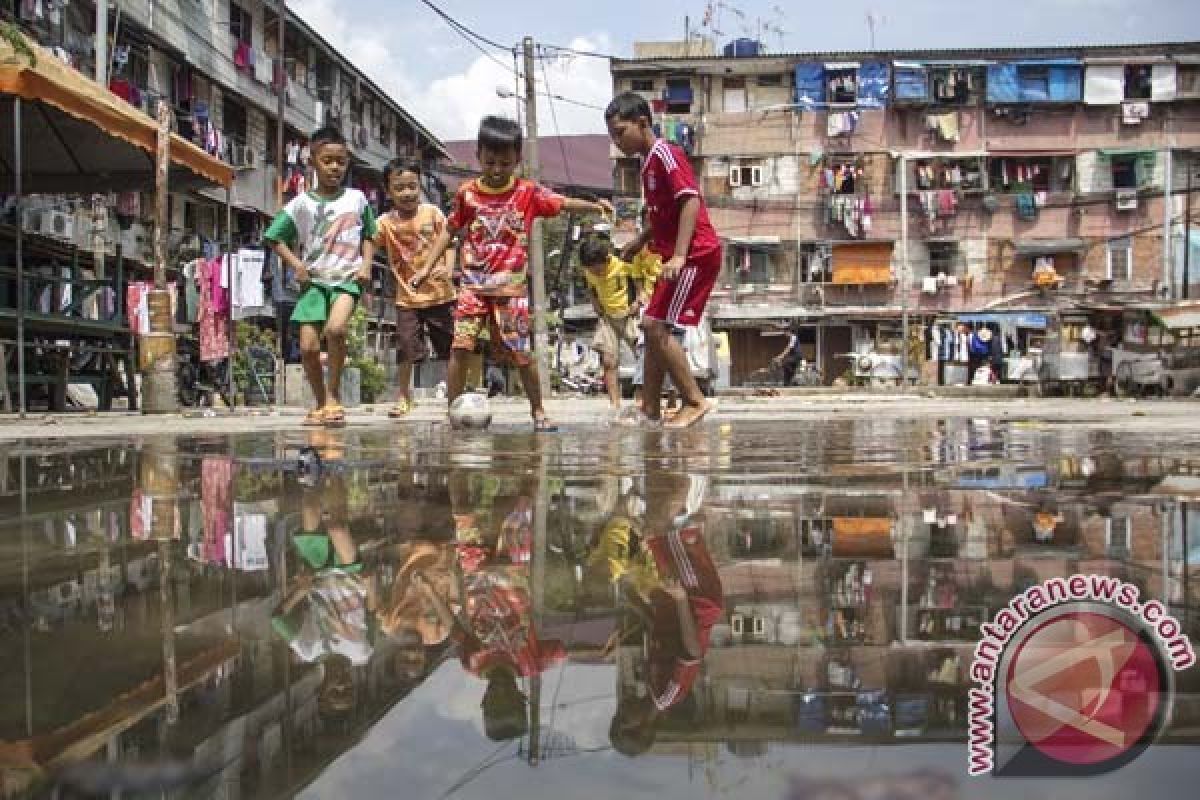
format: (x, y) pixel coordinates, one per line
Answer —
(1179, 317)
(862, 263)
(77, 136)
(862, 537)
(1021, 319)
(1049, 247)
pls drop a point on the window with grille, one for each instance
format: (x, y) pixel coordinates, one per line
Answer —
(944, 258)
(1120, 260)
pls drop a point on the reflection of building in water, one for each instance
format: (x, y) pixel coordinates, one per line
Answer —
(853, 614)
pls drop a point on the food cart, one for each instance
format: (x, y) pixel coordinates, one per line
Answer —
(1159, 352)
(1067, 361)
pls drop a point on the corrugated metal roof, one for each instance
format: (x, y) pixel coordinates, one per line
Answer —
(1155, 48)
(588, 157)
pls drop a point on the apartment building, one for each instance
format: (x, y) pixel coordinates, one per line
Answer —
(851, 188)
(217, 63)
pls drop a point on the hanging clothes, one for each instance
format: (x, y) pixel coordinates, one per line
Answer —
(249, 283)
(213, 312)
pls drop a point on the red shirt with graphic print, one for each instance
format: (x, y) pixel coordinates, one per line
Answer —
(497, 224)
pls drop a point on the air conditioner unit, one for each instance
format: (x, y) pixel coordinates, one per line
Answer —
(57, 224)
(1127, 199)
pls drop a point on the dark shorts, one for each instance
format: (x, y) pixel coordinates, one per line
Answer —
(414, 324)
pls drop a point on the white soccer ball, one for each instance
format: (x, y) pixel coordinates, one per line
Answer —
(471, 410)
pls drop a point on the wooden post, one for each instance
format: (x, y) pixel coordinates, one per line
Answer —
(156, 352)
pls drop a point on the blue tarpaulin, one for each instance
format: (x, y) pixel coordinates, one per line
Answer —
(912, 82)
(1002, 86)
(1066, 84)
(873, 84)
(1056, 80)
(810, 85)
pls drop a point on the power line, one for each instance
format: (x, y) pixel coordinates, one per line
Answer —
(562, 147)
(464, 29)
(474, 39)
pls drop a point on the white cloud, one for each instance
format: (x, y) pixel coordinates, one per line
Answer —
(451, 106)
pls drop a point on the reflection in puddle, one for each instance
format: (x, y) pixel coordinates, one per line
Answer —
(776, 613)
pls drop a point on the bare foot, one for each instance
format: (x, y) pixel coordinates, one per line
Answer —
(689, 415)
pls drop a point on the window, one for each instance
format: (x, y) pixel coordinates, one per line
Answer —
(234, 119)
(965, 174)
(1118, 536)
(1139, 83)
(1187, 77)
(841, 86)
(734, 95)
(679, 96)
(769, 81)
(642, 84)
(1125, 172)
(1021, 175)
(1034, 83)
(954, 86)
(746, 174)
(241, 24)
(1120, 260)
(751, 264)
(944, 258)
(815, 262)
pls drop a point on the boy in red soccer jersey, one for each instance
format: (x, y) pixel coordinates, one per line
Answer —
(494, 215)
(678, 229)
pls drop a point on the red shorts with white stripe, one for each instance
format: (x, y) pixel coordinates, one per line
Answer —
(682, 301)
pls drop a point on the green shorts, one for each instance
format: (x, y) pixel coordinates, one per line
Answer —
(317, 552)
(315, 303)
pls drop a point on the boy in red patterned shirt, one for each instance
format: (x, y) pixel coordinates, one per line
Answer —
(494, 215)
(678, 229)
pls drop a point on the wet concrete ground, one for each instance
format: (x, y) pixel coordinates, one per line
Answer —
(781, 603)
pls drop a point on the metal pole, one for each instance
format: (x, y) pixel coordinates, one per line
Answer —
(102, 42)
(537, 596)
(281, 81)
(18, 188)
(232, 330)
(536, 261)
(904, 279)
(1168, 267)
(1187, 229)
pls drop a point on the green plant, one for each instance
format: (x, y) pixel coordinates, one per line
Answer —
(248, 335)
(371, 374)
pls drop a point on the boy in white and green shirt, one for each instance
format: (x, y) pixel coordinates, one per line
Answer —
(332, 227)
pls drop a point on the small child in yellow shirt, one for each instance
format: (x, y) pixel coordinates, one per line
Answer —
(617, 298)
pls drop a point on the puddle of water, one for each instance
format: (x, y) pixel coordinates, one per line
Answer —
(750, 609)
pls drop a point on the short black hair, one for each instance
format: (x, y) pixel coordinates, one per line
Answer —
(399, 165)
(499, 133)
(628, 106)
(594, 249)
(325, 135)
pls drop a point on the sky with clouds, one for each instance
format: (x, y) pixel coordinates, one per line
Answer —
(412, 53)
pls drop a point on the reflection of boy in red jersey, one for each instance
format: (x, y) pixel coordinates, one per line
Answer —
(494, 215)
(678, 229)
(679, 619)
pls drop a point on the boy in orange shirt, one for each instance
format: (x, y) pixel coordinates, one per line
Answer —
(424, 296)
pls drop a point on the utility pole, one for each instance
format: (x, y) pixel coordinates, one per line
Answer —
(102, 42)
(156, 347)
(281, 111)
(904, 280)
(537, 266)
